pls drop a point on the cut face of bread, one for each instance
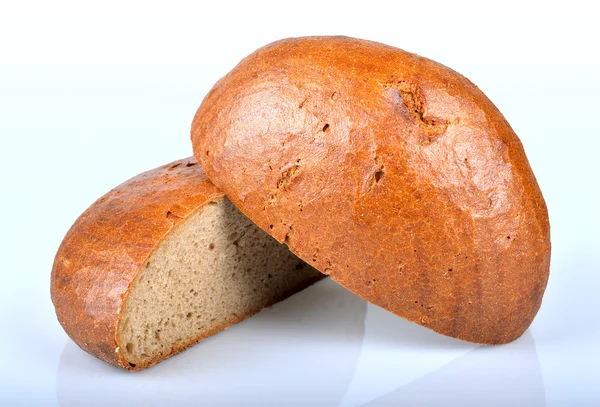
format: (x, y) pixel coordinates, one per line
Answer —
(163, 261)
(214, 270)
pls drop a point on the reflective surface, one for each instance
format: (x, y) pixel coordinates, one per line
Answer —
(482, 377)
(318, 348)
(327, 347)
(303, 351)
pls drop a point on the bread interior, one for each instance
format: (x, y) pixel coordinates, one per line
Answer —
(212, 270)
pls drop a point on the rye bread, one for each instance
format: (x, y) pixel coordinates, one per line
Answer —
(391, 173)
(163, 261)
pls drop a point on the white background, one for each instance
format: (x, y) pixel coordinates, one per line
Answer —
(92, 93)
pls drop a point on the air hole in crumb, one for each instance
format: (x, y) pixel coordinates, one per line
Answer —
(269, 276)
(129, 347)
(270, 226)
(190, 164)
(131, 364)
(206, 152)
(189, 315)
(211, 246)
(326, 127)
(378, 175)
(508, 237)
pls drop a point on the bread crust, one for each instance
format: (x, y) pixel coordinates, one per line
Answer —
(105, 248)
(388, 171)
(109, 243)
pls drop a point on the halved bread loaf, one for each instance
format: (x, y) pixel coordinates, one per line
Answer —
(163, 261)
(388, 171)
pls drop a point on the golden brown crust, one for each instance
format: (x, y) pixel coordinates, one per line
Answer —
(390, 172)
(103, 251)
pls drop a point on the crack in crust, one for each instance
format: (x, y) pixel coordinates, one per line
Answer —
(413, 100)
(286, 179)
(375, 178)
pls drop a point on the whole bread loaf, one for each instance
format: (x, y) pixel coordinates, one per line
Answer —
(163, 261)
(388, 171)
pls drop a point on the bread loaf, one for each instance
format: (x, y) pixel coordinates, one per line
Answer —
(388, 171)
(163, 261)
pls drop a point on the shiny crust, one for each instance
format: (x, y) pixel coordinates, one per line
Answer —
(103, 251)
(388, 171)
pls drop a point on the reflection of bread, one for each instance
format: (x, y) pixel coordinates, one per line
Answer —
(301, 352)
(388, 171)
(485, 376)
(163, 261)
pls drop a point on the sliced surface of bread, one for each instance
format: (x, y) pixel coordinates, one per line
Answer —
(163, 261)
(388, 171)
